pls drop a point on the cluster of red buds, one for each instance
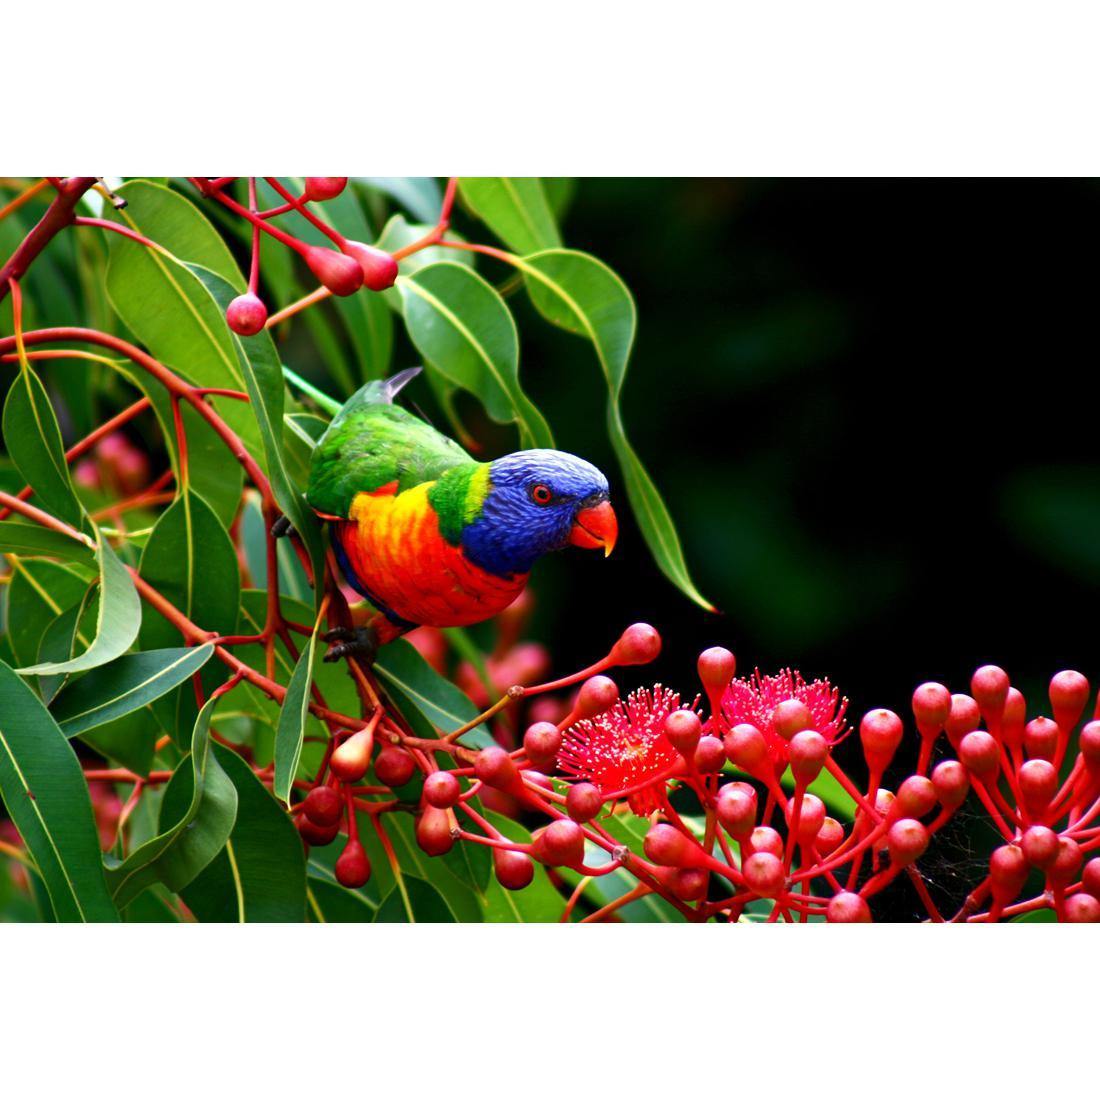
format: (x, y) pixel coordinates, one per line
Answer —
(341, 270)
(727, 783)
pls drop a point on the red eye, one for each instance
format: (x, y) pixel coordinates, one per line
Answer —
(540, 494)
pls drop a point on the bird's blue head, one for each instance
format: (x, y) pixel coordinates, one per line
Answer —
(538, 501)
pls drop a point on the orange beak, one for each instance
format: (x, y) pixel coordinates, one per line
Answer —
(595, 527)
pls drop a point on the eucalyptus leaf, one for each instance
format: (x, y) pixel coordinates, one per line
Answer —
(187, 844)
(581, 295)
(117, 622)
(514, 208)
(462, 327)
(128, 684)
(45, 794)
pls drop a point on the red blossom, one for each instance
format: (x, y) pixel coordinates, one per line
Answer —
(625, 747)
(754, 699)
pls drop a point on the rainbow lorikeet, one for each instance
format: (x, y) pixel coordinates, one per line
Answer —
(428, 535)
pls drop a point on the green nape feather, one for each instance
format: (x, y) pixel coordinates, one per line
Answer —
(371, 442)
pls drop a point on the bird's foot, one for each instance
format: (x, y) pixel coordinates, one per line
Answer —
(359, 641)
(281, 528)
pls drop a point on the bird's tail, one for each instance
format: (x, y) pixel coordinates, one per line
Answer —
(378, 392)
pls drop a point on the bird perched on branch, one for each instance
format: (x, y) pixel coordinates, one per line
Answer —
(429, 536)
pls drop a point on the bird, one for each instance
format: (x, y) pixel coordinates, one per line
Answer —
(428, 535)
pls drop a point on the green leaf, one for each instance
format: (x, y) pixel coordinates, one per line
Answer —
(43, 788)
(181, 850)
(332, 904)
(165, 305)
(413, 901)
(417, 685)
(397, 233)
(514, 208)
(583, 296)
(117, 620)
(292, 721)
(462, 327)
(190, 559)
(538, 903)
(33, 541)
(125, 685)
(419, 195)
(261, 873)
(33, 440)
(39, 592)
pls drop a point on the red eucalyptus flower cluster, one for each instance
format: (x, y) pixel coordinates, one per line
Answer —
(341, 270)
(737, 829)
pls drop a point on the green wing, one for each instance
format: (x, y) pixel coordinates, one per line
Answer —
(370, 443)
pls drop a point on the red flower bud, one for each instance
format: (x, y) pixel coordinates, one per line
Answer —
(916, 797)
(394, 767)
(353, 866)
(320, 188)
(765, 839)
(541, 742)
(666, 846)
(1088, 740)
(790, 717)
(434, 831)
(441, 790)
(952, 784)
(560, 844)
(829, 836)
(1082, 909)
(736, 809)
(716, 667)
(323, 806)
(906, 841)
(931, 706)
(808, 751)
(686, 883)
(1008, 871)
(495, 768)
(333, 270)
(1013, 719)
(745, 746)
(980, 755)
(514, 870)
(764, 875)
(316, 836)
(989, 686)
(880, 732)
(1090, 878)
(583, 801)
(597, 694)
(710, 754)
(847, 908)
(246, 315)
(963, 717)
(1040, 846)
(1069, 692)
(539, 779)
(1067, 863)
(683, 730)
(378, 266)
(1041, 738)
(1038, 781)
(637, 645)
(349, 762)
(811, 819)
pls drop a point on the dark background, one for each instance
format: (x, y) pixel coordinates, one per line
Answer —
(870, 406)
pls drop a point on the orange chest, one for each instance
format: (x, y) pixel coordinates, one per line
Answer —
(393, 546)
